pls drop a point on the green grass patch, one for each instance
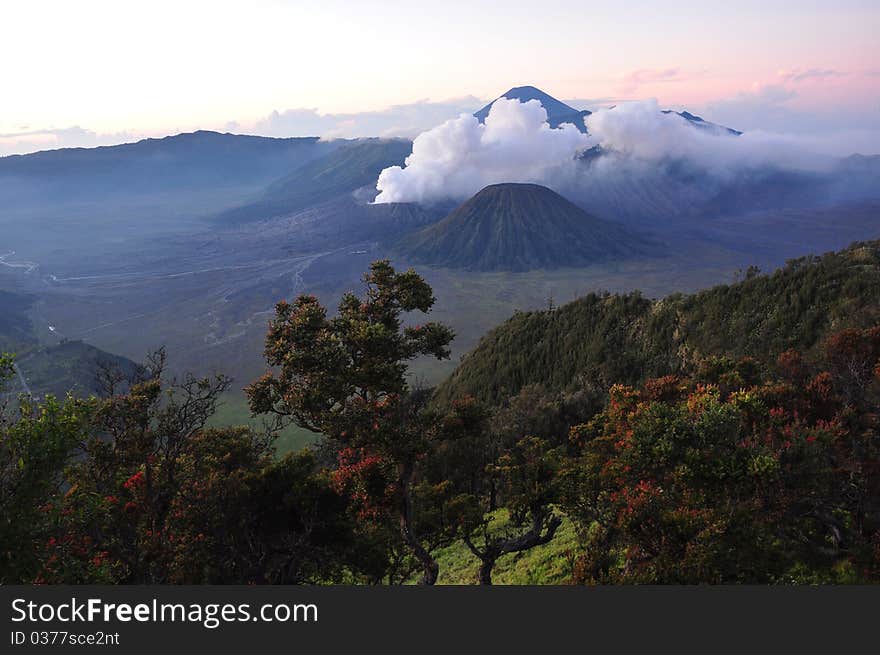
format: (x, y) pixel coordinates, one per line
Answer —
(233, 410)
(550, 564)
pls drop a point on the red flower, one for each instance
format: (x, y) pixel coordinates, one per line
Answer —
(134, 481)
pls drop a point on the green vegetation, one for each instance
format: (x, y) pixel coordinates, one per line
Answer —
(735, 475)
(549, 564)
(345, 378)
(519, 227)
(70, 366)
(603, 339)
(756, 464)
(135, 489)
(232, 409)
(347, 167)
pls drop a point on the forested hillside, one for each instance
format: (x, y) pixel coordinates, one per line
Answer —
(70, 365)
(603, 339)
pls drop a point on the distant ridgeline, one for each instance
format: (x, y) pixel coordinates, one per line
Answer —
(347, 167)
(56, 369)
(603, 339)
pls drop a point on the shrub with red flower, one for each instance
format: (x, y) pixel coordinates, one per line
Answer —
(684, 481)
(360, 476)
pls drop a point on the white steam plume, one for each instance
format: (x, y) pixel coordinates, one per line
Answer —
(641, 131)
(458, 158)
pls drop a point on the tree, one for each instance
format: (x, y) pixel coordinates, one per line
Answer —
(526, 480)
(852, 357)
(242, 519)
(36, 441)
(345, 378)
(156, 496)
(132, 466)
(504, 485)
(740, 477)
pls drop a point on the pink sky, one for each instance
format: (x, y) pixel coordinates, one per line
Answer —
(100, 71)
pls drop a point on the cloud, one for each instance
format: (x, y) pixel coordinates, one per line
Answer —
(461, 156)
(406, 120)
(595, 103)
(796, 77)
(790, 108)
(763, 107)
(456, 159)
(658, 165)
(641, 131)
(398, 120)
(635, 80)
(31, 140)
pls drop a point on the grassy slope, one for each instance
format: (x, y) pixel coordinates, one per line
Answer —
(233, 410)
(345, 169)
(544, 565)
(69, 366)
(58, 368)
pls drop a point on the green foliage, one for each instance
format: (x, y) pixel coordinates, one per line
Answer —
(154, 496)
(6, 370)
(345, 378)
(35, 445)
(733, 465)
(547, 564)
(331, 370)
(683, 481)
(602, 339)
(489, 466)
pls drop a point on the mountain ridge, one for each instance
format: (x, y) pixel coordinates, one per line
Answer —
(349, 166)
(603, 339)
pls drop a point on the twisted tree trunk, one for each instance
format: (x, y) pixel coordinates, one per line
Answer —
(537, 535)
(430, 568)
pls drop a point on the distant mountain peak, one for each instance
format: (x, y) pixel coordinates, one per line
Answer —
(557, 111)
(699, 121)
(519, 227)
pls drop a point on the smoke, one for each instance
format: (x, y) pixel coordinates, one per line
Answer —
(458, 158)
(641, 131)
